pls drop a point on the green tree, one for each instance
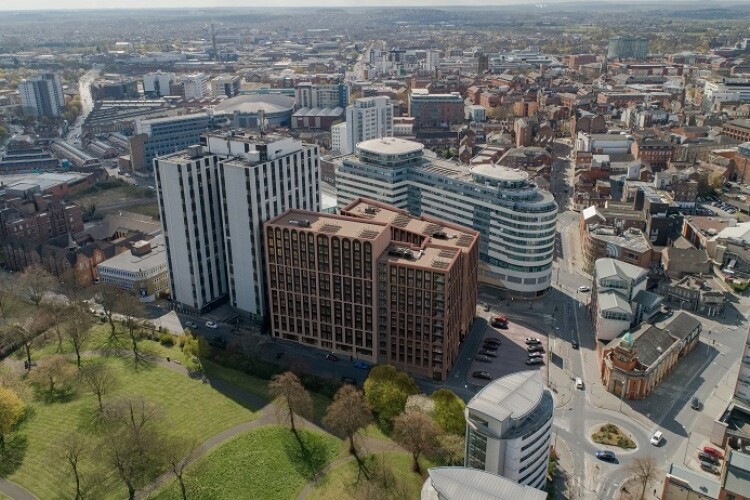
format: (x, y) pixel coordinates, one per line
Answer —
(194, 350)
(387, 390)
(449, 411)
(12, 410)
(348, 413)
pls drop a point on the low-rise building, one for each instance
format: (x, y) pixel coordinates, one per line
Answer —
(681, 483)
(143, 270)
(695, 293)
(634, 364)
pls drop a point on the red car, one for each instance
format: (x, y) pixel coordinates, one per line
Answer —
(713, 452)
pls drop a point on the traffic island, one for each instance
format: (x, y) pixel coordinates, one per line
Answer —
(611, 435)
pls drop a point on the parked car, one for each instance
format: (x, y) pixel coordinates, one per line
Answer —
(574, 344)
(499, 321)
(584, 289)
(492, 340)
(606, 455)
(489, 346)
(535, 355)
(482, 375)
(656, 438)
(579, 383)
(483, 359)
(212, 325)
(349, 380)
(713, 451)
(486, 307)
(532, 341)
(705, 457)
(332, 357)
(487, 352)
(361, 365)
(695, 404)
(535, 361)
(535, 348)
(190, 324)
(709, 468)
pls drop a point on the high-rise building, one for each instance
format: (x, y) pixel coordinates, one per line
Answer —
(627, 47)
(157, 84)
(742, 389)
(213, 218)
(196, 86)
(340, 138)
(435, 110)
(515, 218)
(225, 85)
(373, 283)
(312, 95)
(509, 428)
(367, 118)
(42, 95)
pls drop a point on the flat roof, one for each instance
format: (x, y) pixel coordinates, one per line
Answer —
(390, 146)
(330, 224)
(500, 172)
(128, 262)
(512, 396)
(700, 483)
(44, 180)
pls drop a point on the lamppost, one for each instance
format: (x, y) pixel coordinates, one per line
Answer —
(687, 446)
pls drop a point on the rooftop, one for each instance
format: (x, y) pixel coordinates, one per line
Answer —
(128, 262)
(454, 483)
(499, 172)
(252, 103)
(390, 146)
(700, 483)
(330, 224)
(605, 268)
(512, 396)
(737, 477)
(631, 239)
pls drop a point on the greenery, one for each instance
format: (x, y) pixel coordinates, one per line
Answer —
(192, 410)
(387, 390)
(612, 435)
(265, 462)
(449, 411)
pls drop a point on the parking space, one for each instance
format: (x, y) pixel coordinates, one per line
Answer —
(510, 356)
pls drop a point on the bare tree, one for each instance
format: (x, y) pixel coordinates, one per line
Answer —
(417, 433)
(100, 379)
(71, 449)
(78, 328)
(109, 297)
(291, 397)
(178, 454)
(9, 302)
(348, 413)
(645, 470)
(54, 374)
(27, 331)
(134, 412)
(59, 312)
(34, 282)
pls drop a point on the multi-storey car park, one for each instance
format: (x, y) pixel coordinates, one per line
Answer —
(515, 218)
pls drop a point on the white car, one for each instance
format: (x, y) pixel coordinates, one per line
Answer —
(656, 438)
(579, 383)
(584, 288)
(190, 324)
(212, 325)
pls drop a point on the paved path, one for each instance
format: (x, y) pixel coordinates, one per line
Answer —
(15, 491)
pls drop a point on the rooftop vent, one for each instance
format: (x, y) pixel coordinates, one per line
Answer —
(194, 151)
(371, 210)
(300, 223)
(440, 235)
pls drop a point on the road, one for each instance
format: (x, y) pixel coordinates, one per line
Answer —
(87, 105)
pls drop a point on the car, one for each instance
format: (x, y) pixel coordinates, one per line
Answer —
(532, 341)
(486, 307)
(584, 289)
(606, 455)
(483, 359)
(191, 324)
(656, 438)
(487, 352)
(499, 321)
(361, 365)
(332, 357)
(709, 468)
(533, 355)
(349, 380)
(212, 325)
(695, 403)
(489, 346)
(579, 383)
(492, 340)
(535, 361)
(574, 345)
(482, 375)
(705, 457)
(713, 451)
(535, 348)
(668, 314)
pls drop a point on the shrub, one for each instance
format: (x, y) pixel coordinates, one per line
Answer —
(166, 339)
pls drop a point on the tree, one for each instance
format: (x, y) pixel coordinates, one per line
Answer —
(12, 411)
(195, 349)
(78, 328)
(387, 390)
(27, 331)
(348, 413)
(100, 379)
(417, 433)
(450, 449)
(178, 454)
(109, 297)
(291, 397)
(9, 303)
(645, 470)
(71, 449)
(54, 374)
(449, 411)
(34, 282)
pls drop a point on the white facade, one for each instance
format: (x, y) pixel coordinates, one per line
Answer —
(742, 389)
(604, 144)
(368, 118)
(196, 86)
(311, 95)
(157, 84)
(616, 284)
(253, 179)
(509, 428)
(42, 95)
(188, 192)
(340, 138)
(727, 90)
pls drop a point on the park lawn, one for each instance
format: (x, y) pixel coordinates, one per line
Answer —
(340, 481)
(263, 463)
(259, 386)
(190, 409)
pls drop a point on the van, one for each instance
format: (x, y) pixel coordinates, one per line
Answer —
(656, 438)
(579, 383)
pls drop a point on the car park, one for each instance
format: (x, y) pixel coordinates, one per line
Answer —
(487, 352)
(212, 325)
(579, 383)
(656, 438)
(483, 359)
(606, 455)
(332, 357)
(535, 361)
(535, 348)
(532, 341)
(482, 375)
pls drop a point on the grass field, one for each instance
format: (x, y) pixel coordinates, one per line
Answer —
(341, 482)
(264, 463)
(190, 409)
